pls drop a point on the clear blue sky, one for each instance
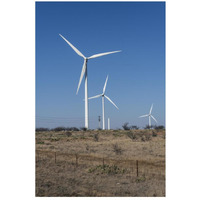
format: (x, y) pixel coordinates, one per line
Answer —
(136, 75)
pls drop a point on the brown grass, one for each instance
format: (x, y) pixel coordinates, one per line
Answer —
(84, 166)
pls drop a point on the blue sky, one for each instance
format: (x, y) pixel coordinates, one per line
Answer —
(136, 75)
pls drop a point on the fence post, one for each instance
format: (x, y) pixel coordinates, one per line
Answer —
(37, 187)
(76, 160)
(137, 167)
(55, 157)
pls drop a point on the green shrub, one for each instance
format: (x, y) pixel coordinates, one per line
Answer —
(40, 142)
(107, 169)
(140, 179)
(54, 139)
(131, 135)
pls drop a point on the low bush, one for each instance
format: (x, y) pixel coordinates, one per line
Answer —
(154, 134)
(131, 135)
(54, 139)
(140, 179)
(39, 142)
(107, 169)
(96, 137)
(159, 127)
(68, 134)
(41, 129)
(60, 128)
(83, 129)
(117, 149)
(72, 129)
(134, 127)
(147, 127)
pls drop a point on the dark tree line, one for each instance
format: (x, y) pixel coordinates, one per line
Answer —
(60, 128)
(125, 126)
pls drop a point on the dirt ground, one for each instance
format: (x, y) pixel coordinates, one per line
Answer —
(115, 163)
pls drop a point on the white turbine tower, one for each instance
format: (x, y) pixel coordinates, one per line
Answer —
(108, 123)
(84, 71)
(150, 115)
(103, 108)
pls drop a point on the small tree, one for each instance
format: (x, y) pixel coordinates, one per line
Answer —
(83, 129)
(74, 129)
(41, 129)
(159, 127)
(125, 126)
(60, 128)
(147, 127)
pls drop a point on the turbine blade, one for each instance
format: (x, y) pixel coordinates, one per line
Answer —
(73, 47)
(111, 101)
(151, 109)
(144, 116)
(104, 88)
(154, 118)
(81, 77)
(102, 54)
(99, 95)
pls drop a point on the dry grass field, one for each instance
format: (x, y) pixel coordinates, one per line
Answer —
(115, 163)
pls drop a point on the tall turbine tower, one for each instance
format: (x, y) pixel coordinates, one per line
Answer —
(84, 72)
(108, 123)
(103, 108)
(150, 115)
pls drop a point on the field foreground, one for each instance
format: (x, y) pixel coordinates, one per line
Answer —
(115, 163)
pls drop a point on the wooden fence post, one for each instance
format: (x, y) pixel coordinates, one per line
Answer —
(137, 167)
(103, 161)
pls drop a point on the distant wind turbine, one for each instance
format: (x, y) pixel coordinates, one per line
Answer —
(103, 108)
(108, 123)
(150, 115)
(84, 71)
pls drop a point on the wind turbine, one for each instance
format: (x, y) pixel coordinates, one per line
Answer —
(103, 108)
(150, 115)
(84, 71)
(108, 123)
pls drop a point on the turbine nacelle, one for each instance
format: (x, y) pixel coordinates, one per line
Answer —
(150, 116)
(85, 59)
(103, 94)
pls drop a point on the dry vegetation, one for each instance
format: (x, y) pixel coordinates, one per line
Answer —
(100, 163)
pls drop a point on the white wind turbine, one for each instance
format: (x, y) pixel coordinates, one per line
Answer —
(84, 71)
(150, 115)
(103, 108)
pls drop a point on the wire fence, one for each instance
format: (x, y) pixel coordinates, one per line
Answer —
(148, 167)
